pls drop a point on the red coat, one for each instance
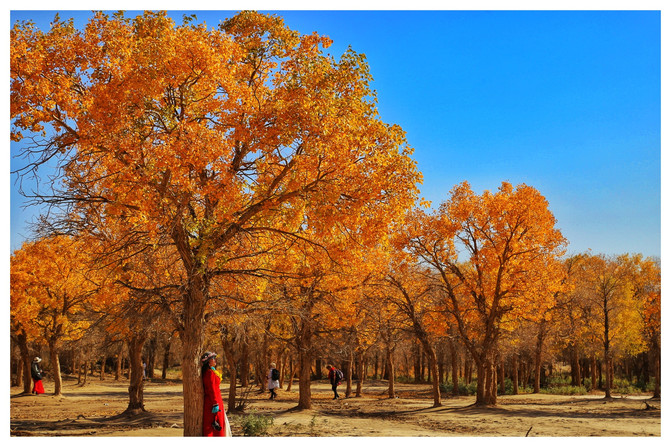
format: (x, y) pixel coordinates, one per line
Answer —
(211, 383)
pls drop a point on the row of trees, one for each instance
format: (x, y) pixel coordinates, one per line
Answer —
(597, 308)
(214, 182)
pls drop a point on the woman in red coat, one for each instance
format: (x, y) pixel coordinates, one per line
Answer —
(214, 419)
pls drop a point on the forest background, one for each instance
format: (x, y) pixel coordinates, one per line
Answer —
(461, 200)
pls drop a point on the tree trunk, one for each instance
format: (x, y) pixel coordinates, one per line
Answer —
(86, 371)
(151, 356)
(318, 369)
(292, 372)
(348, 373)
(480, 390)
(492, 400)
(136, 387)
(56, 368)
(417, 357)
(244, 364)
(433, 367)
(390, 372)
(540, 337)
(359, 372)
(490, 382)
(191, 335)
(119, 362)
(575, 366)
(305, 365)
(22, 341)
(229, 353)
(606, 346)
(516, 376)
(455, 368)
(166, 359)
(657, 393)
(502, 377)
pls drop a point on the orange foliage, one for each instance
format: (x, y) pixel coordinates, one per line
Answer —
(51, 286)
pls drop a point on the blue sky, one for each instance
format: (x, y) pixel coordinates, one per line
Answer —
(565, 101)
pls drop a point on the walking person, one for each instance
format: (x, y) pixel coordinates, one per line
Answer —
(215, 422)
(273, 381)
(36, 373)
(335, 377)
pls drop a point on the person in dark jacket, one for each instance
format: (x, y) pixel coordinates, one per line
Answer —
(273, 380)
(214, 418)
(335, 376)
(37, 374)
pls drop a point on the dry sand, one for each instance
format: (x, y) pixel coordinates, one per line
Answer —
(94, 410)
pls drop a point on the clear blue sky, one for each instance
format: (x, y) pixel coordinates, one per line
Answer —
(565, 101)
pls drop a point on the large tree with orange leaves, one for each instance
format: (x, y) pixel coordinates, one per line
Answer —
(205, 139)
(496, 255)
(52, 285)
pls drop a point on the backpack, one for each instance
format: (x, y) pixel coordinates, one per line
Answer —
(338, 376)
(274, 374)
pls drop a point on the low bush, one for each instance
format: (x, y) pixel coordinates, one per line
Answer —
(256, 424)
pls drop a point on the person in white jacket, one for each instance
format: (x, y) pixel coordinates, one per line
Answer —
(273, 381)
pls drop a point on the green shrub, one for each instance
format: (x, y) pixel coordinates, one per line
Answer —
(568, 390)
(464, 389)
(256, 424)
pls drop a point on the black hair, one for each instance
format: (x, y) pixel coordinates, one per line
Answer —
(204, 368)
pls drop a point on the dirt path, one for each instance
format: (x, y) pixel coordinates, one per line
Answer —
(94, 410)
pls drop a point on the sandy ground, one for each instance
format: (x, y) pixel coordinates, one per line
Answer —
(94, 410)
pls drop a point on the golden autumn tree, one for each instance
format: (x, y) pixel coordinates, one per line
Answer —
(413, 293)
(648, 287)
(615, 303)
(23, 307)
(496, 255)
(202, 137)
(53, 285)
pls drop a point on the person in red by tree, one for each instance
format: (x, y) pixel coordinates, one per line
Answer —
(214, 417)
(36, 373)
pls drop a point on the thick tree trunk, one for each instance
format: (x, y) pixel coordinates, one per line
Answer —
(56, 368)
(480, 398)
(305, 366)
(191, 335)
(608, 365)
(22, 341)
(490, 382)
(348, 374)
(359, 372)
(136, 387)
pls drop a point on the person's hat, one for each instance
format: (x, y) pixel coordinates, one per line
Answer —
(207, 356)
(37, 359)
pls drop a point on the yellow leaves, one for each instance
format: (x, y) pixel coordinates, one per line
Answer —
(51, 286)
